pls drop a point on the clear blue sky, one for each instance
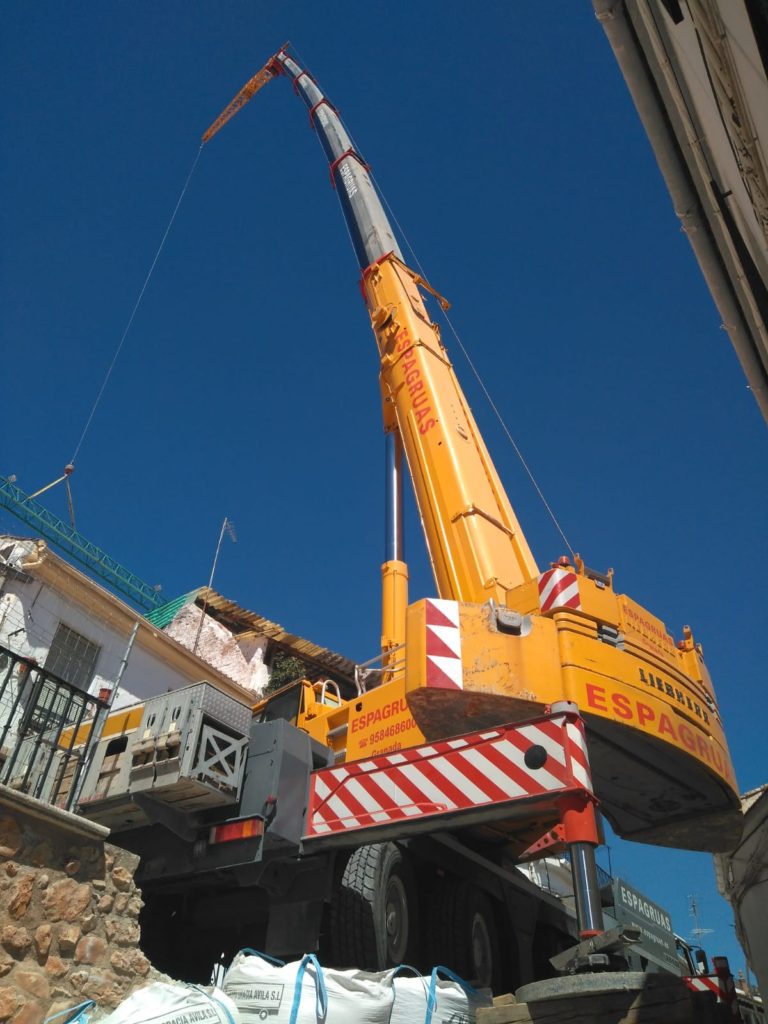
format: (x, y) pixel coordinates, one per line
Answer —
(506, 142)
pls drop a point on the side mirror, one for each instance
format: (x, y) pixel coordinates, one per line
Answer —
(702, 966)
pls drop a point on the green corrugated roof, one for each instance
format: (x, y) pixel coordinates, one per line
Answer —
(166, 613)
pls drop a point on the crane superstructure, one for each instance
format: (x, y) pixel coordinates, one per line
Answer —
(505, 639)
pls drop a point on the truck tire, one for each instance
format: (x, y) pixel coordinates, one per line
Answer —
(463, 933)
(374, 913)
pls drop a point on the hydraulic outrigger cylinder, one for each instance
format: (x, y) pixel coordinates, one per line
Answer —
(580, 829)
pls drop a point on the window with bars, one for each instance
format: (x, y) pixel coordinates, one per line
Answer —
(72, 657)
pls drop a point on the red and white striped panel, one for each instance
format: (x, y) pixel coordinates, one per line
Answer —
(558, 588)
(443, 645)
(577, 752)
(703, 983)
(452, 775)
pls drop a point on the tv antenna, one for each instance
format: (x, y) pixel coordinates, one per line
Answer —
(693, 909)
(227, 527)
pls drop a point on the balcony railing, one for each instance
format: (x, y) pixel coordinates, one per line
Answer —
(46, 729)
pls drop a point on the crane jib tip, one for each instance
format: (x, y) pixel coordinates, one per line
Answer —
(272, 69)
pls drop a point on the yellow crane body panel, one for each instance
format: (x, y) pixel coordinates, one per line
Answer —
(659, 758)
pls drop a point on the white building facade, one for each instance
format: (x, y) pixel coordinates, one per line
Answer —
(55, 618)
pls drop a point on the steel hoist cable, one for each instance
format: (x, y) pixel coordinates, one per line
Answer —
(131, 318)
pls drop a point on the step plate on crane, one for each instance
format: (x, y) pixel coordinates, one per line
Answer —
(519, 771)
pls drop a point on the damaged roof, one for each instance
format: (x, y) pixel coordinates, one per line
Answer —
(243, 624)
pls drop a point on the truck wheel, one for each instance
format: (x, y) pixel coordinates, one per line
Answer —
(463, 934)
(374, 912)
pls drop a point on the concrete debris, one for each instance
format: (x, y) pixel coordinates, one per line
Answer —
(241, 660)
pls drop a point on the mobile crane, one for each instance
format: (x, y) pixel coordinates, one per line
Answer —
(502, 643)
(505, 640)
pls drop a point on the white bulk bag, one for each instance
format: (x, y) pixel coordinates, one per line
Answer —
(304, 993)
(80, 1014)
(261, 987)
(163, 1003)
(435, 1000)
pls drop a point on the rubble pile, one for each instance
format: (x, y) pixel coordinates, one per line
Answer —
(240, 659)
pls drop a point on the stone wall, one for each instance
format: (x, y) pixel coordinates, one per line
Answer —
(69, 913)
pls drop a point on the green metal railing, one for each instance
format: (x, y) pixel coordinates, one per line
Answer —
(55, 530)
